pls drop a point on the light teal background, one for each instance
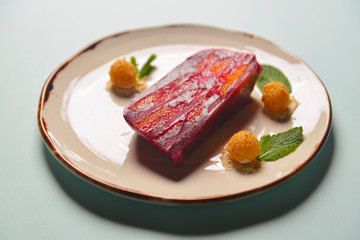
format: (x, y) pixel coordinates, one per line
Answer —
(40, 199)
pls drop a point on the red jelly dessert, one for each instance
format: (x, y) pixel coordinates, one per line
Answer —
(187, 105)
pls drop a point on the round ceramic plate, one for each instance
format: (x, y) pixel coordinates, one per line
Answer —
(82, 123)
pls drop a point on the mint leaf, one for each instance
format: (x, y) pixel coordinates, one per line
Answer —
(270, 74)
(279, 145)
(133, 62)
(147, 68)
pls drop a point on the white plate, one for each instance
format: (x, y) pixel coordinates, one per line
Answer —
(82, 123)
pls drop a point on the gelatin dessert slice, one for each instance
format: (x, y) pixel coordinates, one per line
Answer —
(187, 105)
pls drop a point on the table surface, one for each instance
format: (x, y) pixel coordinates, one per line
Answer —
(40, 199)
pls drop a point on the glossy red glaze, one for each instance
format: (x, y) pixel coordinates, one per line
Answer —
(179, 111)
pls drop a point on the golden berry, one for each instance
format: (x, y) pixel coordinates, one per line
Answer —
(276, 97)
(122, 74)
(243, 147)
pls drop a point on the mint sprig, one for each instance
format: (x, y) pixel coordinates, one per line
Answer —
(145, 70)
(269, 74)
(279, 145)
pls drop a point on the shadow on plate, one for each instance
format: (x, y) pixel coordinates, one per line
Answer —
(196, 220)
